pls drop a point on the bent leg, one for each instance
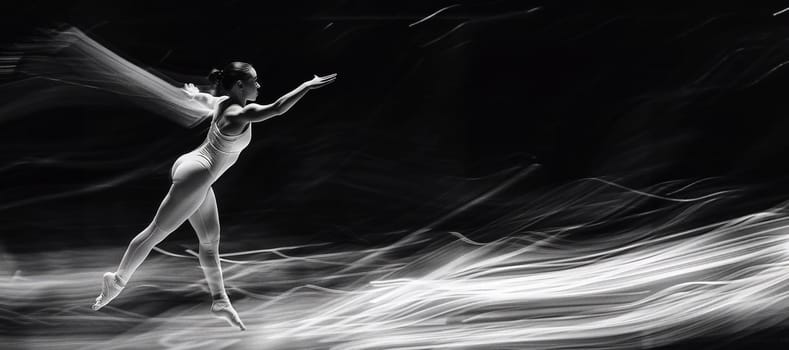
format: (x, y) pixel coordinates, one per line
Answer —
(191, 182)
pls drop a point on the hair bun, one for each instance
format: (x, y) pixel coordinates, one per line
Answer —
(223, 79)
(215, 76)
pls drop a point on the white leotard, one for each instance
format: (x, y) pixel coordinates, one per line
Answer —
(219, 151)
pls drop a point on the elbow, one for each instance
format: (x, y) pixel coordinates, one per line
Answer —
(277, 109)
(275, 113)
(268, 113)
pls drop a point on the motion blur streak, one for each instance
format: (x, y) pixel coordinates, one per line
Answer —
(543, 282)
(69, 68)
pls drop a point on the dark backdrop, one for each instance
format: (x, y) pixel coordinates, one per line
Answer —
(421, 117)
(643, 92)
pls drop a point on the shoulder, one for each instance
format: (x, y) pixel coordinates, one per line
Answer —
(228, 109)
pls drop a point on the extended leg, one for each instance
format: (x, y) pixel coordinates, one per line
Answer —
(190, 185)
(205, 221)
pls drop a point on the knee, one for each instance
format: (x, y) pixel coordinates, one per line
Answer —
(209, 243)
(209, 235)
(209, 248)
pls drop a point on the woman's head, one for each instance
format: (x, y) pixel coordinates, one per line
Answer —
(237, 79)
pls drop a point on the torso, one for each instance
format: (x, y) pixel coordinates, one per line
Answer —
(222, 146)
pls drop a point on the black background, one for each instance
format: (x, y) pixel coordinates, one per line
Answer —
(640, 91)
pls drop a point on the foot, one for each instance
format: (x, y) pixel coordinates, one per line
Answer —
(224, 310)
(111, 286)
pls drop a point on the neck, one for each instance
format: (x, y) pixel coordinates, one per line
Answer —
(235, 98)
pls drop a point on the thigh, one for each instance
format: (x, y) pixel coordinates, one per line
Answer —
(191, 182)
(205, 220)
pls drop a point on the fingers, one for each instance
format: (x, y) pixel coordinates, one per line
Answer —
(327, 77)
(190, 89)
(325, 80)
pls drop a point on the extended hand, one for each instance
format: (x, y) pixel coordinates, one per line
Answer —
(190, 90)
(317, 81)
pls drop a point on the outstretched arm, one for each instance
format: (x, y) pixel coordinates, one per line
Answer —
(194, 93)
(254, 112)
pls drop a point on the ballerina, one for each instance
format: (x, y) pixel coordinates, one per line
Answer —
(191, 196)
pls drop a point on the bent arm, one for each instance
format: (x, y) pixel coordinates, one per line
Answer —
(254, 112)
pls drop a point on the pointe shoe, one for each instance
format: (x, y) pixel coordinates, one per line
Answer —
(224, 310)
(111, 286)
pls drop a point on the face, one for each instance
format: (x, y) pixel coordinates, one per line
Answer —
(250, 86)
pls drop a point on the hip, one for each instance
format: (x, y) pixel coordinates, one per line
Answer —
(198, 161)
(190, 162)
